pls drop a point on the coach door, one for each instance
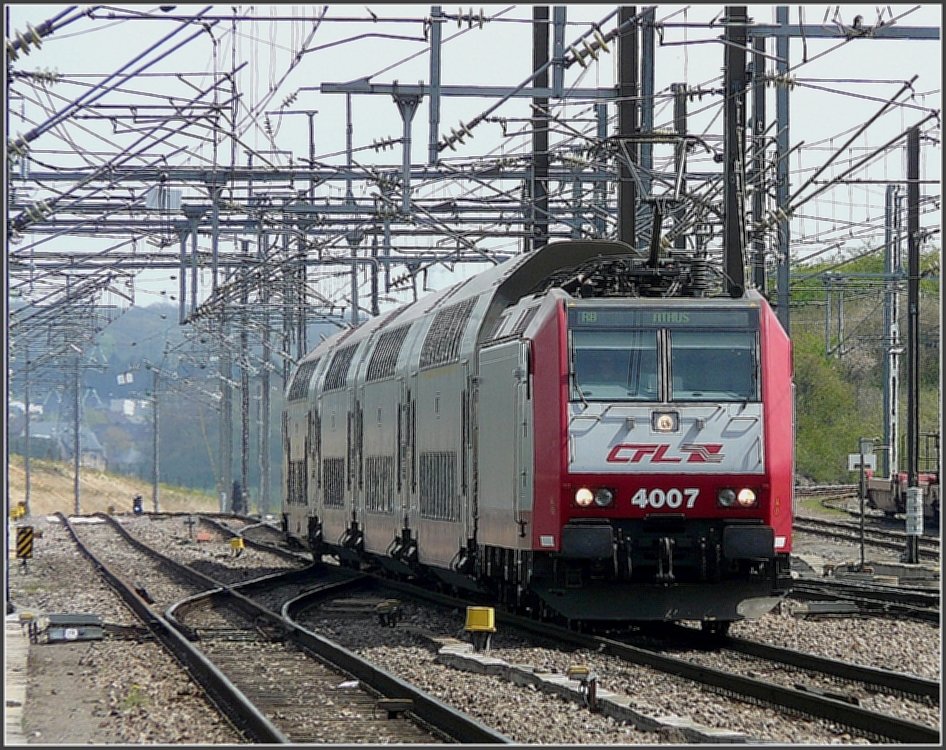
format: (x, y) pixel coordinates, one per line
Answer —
(504, 445)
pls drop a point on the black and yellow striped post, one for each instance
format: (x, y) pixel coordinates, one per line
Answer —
(24, 543)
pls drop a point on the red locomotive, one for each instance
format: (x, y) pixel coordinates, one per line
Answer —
(573, 432)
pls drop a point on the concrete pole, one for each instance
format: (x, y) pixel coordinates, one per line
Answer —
(156, 435)
(26, 432)
(244, 376)
(264, 421)
(77, 407)
(892, 270)
(758, 162)
(914, 491)
(599, 203)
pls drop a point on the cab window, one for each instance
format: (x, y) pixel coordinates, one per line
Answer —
(713, 367)
(615, 365)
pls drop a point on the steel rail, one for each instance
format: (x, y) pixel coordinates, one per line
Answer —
(855, 527)
(895, 681)
(228, 699)
(849, 534)
(915, 604)
(456, 723)
(898, 682)
(820, 707)
(274, 549)
(444, 718)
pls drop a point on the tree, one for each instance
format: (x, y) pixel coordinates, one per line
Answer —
(828, 422)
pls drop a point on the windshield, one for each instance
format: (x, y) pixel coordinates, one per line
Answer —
(615, 365)
(717, 367)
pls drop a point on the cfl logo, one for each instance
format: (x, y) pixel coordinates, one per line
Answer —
(658, 453)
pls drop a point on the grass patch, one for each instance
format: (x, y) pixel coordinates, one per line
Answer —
(809, 505)
(136, 698)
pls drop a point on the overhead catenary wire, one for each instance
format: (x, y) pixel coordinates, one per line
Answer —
(464, 173)
(100, 89)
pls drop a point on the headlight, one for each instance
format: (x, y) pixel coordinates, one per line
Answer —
(604, 497)
(664, 421)
(746, 498)
(584, 497)
(726, 497)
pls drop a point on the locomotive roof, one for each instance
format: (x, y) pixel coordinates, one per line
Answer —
(510, 281)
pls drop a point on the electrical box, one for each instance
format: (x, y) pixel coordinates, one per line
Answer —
(60, 628)
(480, 619)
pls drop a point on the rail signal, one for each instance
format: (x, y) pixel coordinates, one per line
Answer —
(855, 461)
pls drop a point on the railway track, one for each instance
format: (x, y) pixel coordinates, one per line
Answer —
(308, 699)
(867, 598)
(929, 547)
(838, 497)
(826, 490)
(872, 679)
(242, 715)
(404, 713)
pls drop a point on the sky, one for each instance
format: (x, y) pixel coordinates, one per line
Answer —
(838, 85)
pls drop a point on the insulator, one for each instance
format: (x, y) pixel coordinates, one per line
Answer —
(37, 39)
(589, 49)
(18, 147)
(780, 79)
(23, 42)
(599, 38)
(578, 57)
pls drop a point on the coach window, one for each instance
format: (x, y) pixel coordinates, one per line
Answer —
(615, 365)
(717, 367)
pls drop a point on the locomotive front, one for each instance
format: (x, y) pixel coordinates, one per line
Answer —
(673, 494)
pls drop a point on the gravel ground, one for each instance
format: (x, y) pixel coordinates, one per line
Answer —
(408, 652)
(119, 691)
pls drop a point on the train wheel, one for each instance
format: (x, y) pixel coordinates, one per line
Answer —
(651, 629)
(715, 628)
